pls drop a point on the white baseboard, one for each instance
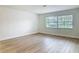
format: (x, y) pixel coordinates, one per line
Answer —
(6, 38)
(61, 35)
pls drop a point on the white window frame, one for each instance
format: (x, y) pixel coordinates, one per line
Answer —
(57, 23)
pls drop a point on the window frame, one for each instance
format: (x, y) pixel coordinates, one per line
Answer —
(58, 22)
(47, 22)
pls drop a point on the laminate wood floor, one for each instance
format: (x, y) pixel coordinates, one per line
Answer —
(39, 43)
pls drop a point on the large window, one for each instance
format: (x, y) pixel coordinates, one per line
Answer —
(59, 21)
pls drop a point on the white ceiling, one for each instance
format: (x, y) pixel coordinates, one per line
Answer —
(39, 9)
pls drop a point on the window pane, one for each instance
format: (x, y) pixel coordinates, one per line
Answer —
(68, 26)
(59, 21)
(51, 22)
(65, 21)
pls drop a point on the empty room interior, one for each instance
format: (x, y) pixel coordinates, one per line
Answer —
(39, 28)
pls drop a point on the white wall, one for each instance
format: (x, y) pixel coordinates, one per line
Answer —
(61, 32)
(14, 23)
